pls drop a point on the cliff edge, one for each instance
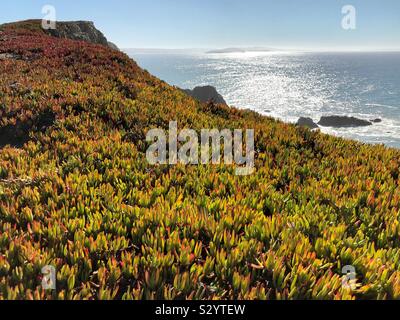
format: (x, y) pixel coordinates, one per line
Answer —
(74, 30)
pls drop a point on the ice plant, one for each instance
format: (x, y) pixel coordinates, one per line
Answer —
(77, 193)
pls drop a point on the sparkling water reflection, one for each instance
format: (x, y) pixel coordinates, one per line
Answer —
(289, 85)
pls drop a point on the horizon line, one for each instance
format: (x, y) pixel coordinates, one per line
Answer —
(248, 49)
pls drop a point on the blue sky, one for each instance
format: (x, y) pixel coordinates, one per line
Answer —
(313, 24)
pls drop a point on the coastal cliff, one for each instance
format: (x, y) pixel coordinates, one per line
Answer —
(74, 30)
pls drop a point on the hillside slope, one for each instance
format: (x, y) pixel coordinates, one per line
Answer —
(77, 193)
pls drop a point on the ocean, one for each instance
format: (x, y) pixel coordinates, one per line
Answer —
(289, 85)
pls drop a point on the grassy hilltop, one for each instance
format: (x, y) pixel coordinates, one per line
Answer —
(77, 192)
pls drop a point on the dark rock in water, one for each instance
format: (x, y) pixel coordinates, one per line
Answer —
(307, 122)
(80, 30)
(267, 111)
(376, 121)
(206, 94)
(343, 122)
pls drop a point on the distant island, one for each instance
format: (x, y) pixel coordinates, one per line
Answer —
(241, 50)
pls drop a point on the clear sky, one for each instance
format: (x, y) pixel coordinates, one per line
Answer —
(226, 23)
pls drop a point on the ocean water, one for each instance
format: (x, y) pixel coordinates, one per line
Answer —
(288, 85)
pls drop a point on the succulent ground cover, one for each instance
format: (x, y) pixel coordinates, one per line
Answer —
(76, 191)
